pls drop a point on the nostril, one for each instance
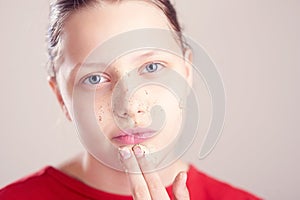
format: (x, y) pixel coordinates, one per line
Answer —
(131, 114)
(122, 114)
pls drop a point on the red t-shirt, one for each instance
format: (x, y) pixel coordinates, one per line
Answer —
(52, 184)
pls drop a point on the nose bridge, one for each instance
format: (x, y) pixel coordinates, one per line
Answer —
(126, 102)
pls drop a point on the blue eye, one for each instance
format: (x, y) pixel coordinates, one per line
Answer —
(94, 80)
(152, 67)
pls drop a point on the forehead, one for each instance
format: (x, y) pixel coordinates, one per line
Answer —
(87, 28)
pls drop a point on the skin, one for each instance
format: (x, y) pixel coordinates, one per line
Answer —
(83, 31)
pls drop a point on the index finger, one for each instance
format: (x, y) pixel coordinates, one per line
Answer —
(156, 189)
(143, 185)
(138, 185)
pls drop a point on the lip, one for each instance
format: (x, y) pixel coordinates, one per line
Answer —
(134, 136)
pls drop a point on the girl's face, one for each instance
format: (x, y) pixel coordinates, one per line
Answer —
(123, 121)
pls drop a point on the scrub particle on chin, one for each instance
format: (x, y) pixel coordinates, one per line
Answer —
(143, 148)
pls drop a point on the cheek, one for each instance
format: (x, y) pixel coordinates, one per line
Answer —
(99, 113)
(102, 107)
(169, 103)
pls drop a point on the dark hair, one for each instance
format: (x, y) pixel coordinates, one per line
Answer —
(61, 9)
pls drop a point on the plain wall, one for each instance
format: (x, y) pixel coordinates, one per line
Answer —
(256, 47)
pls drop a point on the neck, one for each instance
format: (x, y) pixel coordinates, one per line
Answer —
(97, 175)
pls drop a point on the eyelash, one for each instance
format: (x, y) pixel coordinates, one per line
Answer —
(159, 66)
(102, 79)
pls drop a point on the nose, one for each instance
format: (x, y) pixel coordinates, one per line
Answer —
(133, 109)
(129, 104)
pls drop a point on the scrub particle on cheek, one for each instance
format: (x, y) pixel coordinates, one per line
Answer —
(100, 113)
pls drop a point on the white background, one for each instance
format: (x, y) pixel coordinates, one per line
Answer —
(255, 45)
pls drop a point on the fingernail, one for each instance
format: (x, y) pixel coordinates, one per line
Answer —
(125, 153)
(138, 151)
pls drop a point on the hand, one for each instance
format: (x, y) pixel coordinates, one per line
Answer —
(148, 185)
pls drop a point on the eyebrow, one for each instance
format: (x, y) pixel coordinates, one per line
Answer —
(148, 53)
(92, 64)
(85, 66)
(103, 65)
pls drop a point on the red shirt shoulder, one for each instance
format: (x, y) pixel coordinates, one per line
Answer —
(202, 186)
(28, 187)
(50, 183)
